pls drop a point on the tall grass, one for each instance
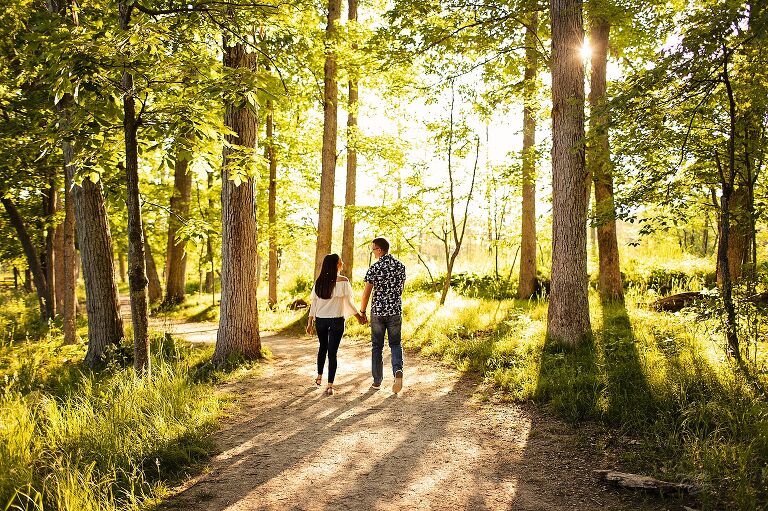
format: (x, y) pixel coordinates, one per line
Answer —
(71, 439)
(658, 379)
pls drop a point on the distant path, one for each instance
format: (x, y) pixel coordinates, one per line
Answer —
(435, 446)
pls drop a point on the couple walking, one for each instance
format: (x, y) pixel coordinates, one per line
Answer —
(331, 304)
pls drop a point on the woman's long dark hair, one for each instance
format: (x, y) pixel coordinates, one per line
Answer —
(326, 282)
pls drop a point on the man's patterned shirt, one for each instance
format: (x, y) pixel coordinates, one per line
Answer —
(388, 278)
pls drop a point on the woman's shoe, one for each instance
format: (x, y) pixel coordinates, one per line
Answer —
(329, 390)
(319, 380)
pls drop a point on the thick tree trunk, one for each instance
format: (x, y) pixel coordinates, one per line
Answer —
(527, 284)
(600, 167)
(330, 106)
(568, 316)
(154, 288)
(33, 260)
(272, 213)
(176, 258)
(239, 323)
(105, 325)
(350, 199)
(137, 275)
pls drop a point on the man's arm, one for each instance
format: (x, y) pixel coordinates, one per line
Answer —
(366, 297)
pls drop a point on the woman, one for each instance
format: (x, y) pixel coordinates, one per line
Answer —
(331, 304)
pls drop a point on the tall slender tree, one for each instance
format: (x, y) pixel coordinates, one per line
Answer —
(176, 254)
(272, 206)
(348, 236)
(599, 164)
(330, 108)
(137, 273)
(568, 316)
(527, 283)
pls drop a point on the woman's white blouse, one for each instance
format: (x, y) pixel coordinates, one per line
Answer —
(337, 306)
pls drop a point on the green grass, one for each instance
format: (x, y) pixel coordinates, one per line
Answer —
(77, 440)
(659, 379)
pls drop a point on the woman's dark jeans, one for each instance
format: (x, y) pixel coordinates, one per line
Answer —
(329, 332)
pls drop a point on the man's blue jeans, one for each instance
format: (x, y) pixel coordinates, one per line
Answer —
(391, 325)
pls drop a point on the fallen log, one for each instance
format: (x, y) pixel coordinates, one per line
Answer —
(646, 483)
(674, 303)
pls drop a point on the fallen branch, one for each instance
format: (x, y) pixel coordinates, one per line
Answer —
(646, 483)
(676, 302)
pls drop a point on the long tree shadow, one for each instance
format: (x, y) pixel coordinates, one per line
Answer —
(282, 447)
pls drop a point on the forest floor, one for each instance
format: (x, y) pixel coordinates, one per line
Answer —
(440, 444)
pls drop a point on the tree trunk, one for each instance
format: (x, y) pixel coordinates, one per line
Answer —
(121, 265)
(568, 316)
(272, 220)
(738, 234)
(330, 106)
(154, 288)
(527, 285)
(600, 167)
(209, 258)
(51, 205)
(350, 199)
(33, 261)
(239, 323)
(176, 258)
(105, 325)
(69, 281)
(137, 275)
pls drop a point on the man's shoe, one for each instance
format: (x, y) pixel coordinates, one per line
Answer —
(398, 385)
(375, 386)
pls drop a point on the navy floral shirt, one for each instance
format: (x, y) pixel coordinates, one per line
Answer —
(388, 278)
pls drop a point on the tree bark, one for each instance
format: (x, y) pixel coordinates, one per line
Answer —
(51, 205)
(600, 167)
(137, 275)
(527, 284)
(330, 107)
(69, 282)
(176, 258)
(105, 325)
(272, 206)
(568, 315)
(239, 324)
(154, 288)
(738, 234)
(210, 276)
(350, 199)
(33, 260)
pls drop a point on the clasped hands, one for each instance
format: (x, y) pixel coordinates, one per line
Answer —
(361, 318)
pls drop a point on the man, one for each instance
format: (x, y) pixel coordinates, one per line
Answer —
(386, 278)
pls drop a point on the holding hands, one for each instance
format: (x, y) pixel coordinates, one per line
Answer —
(361, 318)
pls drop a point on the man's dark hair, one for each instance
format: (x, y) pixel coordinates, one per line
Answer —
(382, 243)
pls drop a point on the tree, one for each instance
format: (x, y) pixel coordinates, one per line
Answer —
(527, 283)
(239, 323)
(272, 206)
(137, 273)
(568, 315)
(33, 259)
(176, 255)
(330, 109)
(348, 237)
(599, 164)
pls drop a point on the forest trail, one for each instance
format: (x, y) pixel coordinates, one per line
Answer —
(436, 445)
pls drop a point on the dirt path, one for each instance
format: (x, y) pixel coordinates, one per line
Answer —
(434, 446)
